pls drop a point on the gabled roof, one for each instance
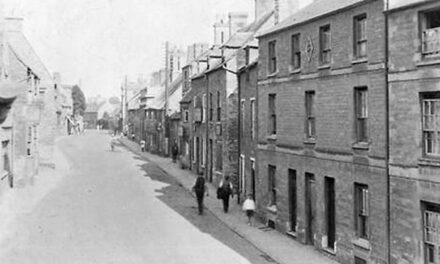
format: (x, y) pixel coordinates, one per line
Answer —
(24, 52)
(314, 10)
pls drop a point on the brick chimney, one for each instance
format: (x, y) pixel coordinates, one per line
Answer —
(13, 24)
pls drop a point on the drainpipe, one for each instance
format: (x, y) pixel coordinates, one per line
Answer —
(206, 124)
(387, 137)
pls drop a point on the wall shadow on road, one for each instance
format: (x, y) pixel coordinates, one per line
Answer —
(179, 199)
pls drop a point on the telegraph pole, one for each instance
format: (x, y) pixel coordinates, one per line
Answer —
(167, 76)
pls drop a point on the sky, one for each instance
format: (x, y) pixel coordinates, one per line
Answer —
(97, 42)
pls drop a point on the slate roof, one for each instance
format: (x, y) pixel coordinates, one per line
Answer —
(393, 4)
(314, 10)
(24, 52)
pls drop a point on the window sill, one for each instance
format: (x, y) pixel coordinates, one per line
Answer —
(272, 137)
(273, 74)
(362, 243)
(429, 161)
(359, 60)
(428, 62)
(4, 174)
(294, 70)
(272, 209)
(291, 233)
(331, 251)
(361, 145)
(324, 67)
(310, 141)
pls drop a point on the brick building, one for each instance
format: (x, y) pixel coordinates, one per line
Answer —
(247, 93)
(321, 170)
(414, 87)
(214, 103)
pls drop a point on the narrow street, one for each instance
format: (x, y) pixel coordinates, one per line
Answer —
(113, 207)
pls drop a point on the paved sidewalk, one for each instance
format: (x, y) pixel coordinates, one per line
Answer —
(279, 247)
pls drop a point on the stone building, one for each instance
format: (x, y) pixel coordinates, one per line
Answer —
(8, 93)
(64, 104)
(321, 170)
(414, 164)
(33, 134)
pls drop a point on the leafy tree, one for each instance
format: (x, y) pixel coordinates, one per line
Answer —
(79, 100)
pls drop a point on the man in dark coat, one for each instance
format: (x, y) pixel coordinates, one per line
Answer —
(200, 189)
(226, 191)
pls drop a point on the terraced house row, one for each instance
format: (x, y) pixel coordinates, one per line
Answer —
(346, 157)
(33, 108)
(328, 115)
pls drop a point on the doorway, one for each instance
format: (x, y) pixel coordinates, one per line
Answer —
(310, 210)
(211, 171)
(292, 199)
(253, 178)
(329, 189)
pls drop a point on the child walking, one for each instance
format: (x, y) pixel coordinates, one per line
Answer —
(249, 208)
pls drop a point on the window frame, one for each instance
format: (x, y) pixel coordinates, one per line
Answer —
(295, 51)
(253, 117)
(271, 172)
(431, 230)
(361, 114)
(219, 106)
(310, 118)
(272, 55)
(324, 50)
(361, 210)
(219, 161)
(272, 116)
(423, 26)
(211, 109)
(360, 39)
(434, 131)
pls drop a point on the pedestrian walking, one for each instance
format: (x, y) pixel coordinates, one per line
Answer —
(225, 190)
(200, 189)
(249, 208)
(112, 142)
(174, 151)
(143, 145)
